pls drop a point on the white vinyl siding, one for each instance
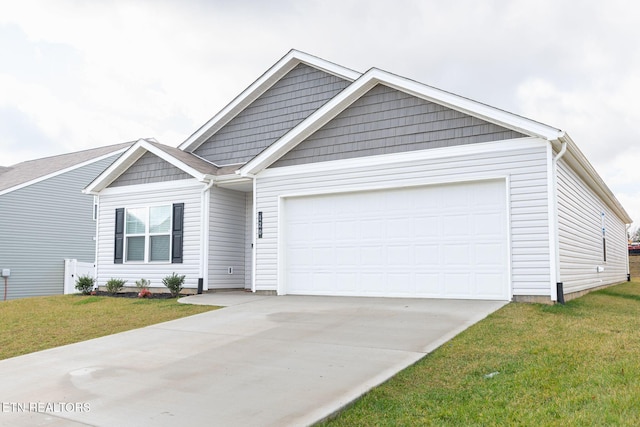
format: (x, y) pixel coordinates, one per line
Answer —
(157, 194)
(227, 222)
(523, 162)
(580, 236)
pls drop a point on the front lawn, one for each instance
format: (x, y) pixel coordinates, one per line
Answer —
(526, 364)
(32, 324)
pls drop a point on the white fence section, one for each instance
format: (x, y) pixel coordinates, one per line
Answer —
(74, 269)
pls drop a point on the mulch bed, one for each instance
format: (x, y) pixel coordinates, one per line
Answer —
(159, 295)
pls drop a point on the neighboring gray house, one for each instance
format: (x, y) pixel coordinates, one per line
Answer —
(45, 218)
(320, 180)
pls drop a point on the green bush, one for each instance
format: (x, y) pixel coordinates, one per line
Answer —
(114, 285)
(85, 284)
(143, 284)
(174, 283)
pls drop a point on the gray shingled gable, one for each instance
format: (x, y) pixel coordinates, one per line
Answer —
(385, 121)
(22, 173)
(148, 169)
(288, 102)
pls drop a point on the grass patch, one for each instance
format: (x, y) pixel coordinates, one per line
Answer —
(33, 324)
(577, 364)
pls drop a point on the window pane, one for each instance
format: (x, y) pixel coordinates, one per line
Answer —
(159, 249)
(160, 219)
(136, 220)
(135, 248)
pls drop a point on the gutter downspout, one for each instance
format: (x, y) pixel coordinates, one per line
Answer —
(558, 291)
(203, 277)
(254, 238)
(627, 252)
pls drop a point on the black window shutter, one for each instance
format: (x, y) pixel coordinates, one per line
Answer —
(176, 232)
(119, 237)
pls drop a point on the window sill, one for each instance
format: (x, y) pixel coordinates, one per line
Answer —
(147, 263)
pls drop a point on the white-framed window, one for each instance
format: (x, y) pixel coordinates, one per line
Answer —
(147, 234)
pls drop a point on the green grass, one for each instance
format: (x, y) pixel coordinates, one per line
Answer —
(577, 364)
(33, 324)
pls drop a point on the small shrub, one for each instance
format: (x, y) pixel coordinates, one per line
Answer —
(114, 285)
(143, 284)
(85, 284)
(174, 283)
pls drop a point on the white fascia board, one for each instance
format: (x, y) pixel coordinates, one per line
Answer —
(469, 106)
(257, 88)
(129, 158)
(370, 79)
(62, 171)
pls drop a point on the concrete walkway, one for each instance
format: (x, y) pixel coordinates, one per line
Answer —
(261, 361)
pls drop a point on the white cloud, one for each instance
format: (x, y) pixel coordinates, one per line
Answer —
(86, 74)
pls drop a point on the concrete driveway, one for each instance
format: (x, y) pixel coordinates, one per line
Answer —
(261, 361)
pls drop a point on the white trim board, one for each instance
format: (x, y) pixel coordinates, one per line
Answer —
(385, 159)
(153, 187)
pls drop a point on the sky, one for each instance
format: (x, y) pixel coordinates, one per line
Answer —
(82, 74)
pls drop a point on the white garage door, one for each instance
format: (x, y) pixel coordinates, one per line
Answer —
(445, 241)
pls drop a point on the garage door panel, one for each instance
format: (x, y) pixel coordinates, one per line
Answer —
(456, 197)
(427, 255)
(458, 284)
(427, 226)
(400, 227)
(400, 284)
(347, 229)
(420, 242)
(372, 283)
(322, 231)
(489, 254)
(455, 255)
(487, 224)
(372, 256)
(370, 229)
(300, 257)
(323, 257)
(455, 225)
(489, 284)
(347, 256)
(429, 285)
